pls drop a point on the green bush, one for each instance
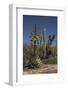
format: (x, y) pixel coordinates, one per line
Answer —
(52, 60)
(34, 62)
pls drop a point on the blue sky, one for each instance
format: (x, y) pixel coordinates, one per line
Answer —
(42, 22)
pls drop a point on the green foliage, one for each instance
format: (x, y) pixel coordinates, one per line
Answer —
(34, 62)
(29, 60)
(51, 60)
(25, 56)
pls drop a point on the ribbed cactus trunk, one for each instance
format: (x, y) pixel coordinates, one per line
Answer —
(35, 42)
(44, 43)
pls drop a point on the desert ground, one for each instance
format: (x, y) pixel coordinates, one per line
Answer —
(44, 69)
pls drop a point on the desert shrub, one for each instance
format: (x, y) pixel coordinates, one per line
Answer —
(26, 56)
(51, 60)
(29, 59)
(34, 62)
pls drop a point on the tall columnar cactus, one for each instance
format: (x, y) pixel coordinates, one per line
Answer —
(44, 43)
(35, 41)
(49, 48)
(34, 60)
